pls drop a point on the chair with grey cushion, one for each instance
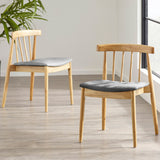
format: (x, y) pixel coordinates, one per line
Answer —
(28, 62)
(120, 89)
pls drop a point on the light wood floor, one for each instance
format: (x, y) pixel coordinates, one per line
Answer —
(28, 133)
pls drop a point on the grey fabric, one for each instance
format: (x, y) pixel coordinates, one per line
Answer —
(51, 62)
(113, 86)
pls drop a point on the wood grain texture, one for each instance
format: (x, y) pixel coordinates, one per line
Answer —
(133, 104)
(131, 66)
(113, 66)
(122, 66)
(104, 77)
(7, 75)
(152, 94)
(30, 50)
(17, 57)
(34, 47)
(20, 47)
(31, 86)
(82, 115)
(114, 95)
(5, 88)
(125, 47)
(70, 84)
(60, 68)
(23, 33)
(104, 101)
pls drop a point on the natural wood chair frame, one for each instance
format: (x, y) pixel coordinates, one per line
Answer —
(17, 35)
(122, 95)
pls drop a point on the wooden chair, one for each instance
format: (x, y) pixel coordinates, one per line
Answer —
(29, 63)
(120, 90)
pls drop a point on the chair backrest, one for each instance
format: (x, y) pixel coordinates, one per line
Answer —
(24, 42)
(128, 49)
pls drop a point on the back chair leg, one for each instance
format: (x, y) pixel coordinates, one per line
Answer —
(103, 113)
(46, 89)
(82, 114)
(5, 88)
(154, 112)
(31, 86)
(133, 101)
(70, 84)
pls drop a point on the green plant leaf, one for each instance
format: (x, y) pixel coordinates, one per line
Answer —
(6, 30)
(7, 9)
(41, 5)
(19, 14)
(12, 23)
(40, 18)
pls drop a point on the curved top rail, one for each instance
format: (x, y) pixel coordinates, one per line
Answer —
(22, 33)
(126, 47)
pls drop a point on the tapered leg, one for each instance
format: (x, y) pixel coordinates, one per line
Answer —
(46, 89)
(70, 84)
(82, 114)
(5, 88)
(154, 111)
(103, 113)
(31, 86)
(133, 101)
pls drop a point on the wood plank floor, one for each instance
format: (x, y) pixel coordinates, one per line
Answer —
(28, 133)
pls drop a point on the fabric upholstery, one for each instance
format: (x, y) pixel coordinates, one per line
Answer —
(51, 62)
(113, 86)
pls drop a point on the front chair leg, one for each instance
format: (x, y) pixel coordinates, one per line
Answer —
(46, 89)
(31, 86)
(133, 101)
(82, 114)
(70, 84)
(5, 88)
(103, 114)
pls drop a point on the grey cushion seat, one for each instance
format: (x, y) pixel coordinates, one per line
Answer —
(51, 62)
(113, 86)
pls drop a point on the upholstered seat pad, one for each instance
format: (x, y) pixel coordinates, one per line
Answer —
(51, 62)
(113, 86)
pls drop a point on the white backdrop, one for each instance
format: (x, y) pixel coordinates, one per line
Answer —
(73, 29)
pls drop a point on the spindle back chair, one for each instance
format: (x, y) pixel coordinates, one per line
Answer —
(100, 88)
(24, 43)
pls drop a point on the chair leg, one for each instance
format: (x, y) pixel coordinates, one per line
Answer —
(154, 112)
(103, 113)
(70, 84)
(82, 114)
(46, 89)
(133, 101)
(5, 88)
(31, 86)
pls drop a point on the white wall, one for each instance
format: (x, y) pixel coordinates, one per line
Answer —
(73, 29)
(129, 25)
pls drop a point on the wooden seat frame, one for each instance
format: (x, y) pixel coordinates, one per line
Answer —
(42, 69)
(122, 95)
